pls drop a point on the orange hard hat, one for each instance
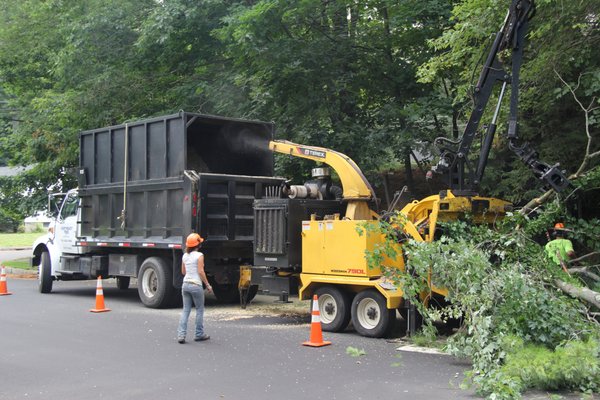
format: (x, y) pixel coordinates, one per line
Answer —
(193, 240)
(559, 225)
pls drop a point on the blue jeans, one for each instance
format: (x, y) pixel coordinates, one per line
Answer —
(192, 294)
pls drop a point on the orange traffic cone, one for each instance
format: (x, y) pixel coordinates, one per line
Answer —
(3, 288)
(99, 298)
(316, 335)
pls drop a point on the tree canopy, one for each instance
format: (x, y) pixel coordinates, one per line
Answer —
(375, 79)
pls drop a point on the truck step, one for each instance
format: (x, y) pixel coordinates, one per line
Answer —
(71, 273)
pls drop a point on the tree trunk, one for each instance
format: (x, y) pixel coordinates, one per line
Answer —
(538, 201)
(455, 130)
(410, 181)
(386, 188)
(580, 293)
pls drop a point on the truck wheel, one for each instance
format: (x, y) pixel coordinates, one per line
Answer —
(154, 283)
(334, 308)
(45, 273)
(123, 282)
(370, 315)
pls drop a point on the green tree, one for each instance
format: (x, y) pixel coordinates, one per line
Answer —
(65, 66)
(338, 74)
(69, 66)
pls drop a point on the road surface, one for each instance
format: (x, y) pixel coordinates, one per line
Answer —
(52, 347)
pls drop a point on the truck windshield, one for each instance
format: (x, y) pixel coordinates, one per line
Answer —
(70, 206)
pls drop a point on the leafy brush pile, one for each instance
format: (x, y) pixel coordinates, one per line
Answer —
(573, 365)
(519, 329)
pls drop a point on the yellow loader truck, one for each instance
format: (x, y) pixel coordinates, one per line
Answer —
(333, 263)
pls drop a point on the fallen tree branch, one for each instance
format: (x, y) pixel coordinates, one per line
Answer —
(581, 293)
(534, 203)
(584, 271)
(576, 260)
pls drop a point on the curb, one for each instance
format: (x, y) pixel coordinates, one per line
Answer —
(14, 248)
(20, 271)
(417, 349)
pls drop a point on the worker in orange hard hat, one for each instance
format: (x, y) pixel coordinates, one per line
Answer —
(560, 249)
(192, 266)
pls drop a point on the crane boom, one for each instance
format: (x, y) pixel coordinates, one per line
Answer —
(463, 177)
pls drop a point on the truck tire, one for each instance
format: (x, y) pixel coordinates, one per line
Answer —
(123, 282)
(334, 308)
(155, 286)
(370, 315)
(45, 273)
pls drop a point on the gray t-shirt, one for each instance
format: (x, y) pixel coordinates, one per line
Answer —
(190, 260)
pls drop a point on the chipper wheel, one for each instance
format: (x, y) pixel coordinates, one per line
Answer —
(370, 315)
(334, 308)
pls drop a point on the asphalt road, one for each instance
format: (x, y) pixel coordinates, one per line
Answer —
(52, 347)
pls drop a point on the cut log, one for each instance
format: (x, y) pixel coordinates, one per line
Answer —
(581, 293)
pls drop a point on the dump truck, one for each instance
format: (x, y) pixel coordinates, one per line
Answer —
(143, 187)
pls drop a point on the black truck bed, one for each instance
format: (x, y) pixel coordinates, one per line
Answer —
(185, 172)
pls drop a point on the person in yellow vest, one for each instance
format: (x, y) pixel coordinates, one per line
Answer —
(560, 250)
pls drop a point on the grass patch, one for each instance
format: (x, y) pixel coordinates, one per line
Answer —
(354, 352)
(20, 264)
(573, 366)
(10, 240)
(422, 340)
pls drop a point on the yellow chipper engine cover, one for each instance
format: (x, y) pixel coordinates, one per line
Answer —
(335, 247)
